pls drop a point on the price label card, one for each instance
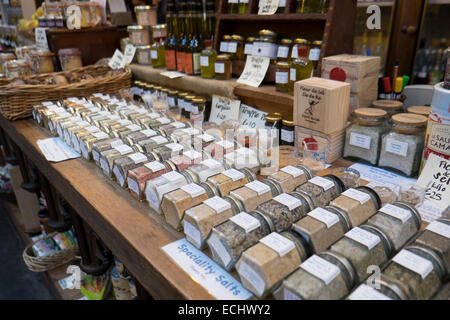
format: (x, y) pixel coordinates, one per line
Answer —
(402, 214)
(211, 163)
(255, 70)
(172, 74)
(439, 228)
(268, 7)
(155, 166)
(357, 195)
(130, 51)
(246, 221)
(414, 262)
(259, 187)
(293, 171)
(217, 204)
(252, 117)
(41, 38)
(194, 190)
(224, 109)
(233, 174)
(321, 268)
(288, 200)
(327, 217)
(278, 243)
(363, 237)
(117, 61)
(322, 182)
(138, 157)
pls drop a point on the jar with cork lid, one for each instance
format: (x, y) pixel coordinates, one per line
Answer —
(421, 110)
(392, 107)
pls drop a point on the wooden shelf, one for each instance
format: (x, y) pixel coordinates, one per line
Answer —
(275, 17)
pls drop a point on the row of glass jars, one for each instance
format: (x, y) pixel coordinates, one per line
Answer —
(92, 14)
(302, 6)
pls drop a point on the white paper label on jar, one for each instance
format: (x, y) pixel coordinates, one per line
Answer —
(206, 137)
(288, 200)
(193, 233)
(283, 52)
(155, 166)
(265, 49)
(232, 47)
(219, 67)
(211, 163)
(225, 144)
(223, 46)
(289, 295)
(154, 115)
(104, 165)
(246, 272)
(192, 154)
(95, 155)
(124, 122)
(191, 131)
(321, 268)
(293, 171)
(173, 177)
(175, 147)
(133, 185)
(119, 176)
(293, 74)
(278, 243)
(92, 129)
(259, 187)
(327, 217)
(82, 123)
(116, 143)
(363, 237)
(178, 124)
(287, 135)
(134, 127)
(123, 149)
(396, 147)
(360, 140)
(314, 54)
(218, 204)
(193, 189)
(113, 117)
(322, 182)
(402, 214)
(248, 49)
(159, 139)
(281, 77)
(234, 174)
(439, 228)
(357, 195)
(154, 54)
(364, 292)
(246, 221)
(149, 132)
(414, 262)
(217, 245)
(138, 157)
(204, 61)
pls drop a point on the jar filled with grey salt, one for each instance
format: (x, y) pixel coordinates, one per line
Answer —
(399, 221)
(321, 190)
(418, 271)
(228, 240)
(326, 276)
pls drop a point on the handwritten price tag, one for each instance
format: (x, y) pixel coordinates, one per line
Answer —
(255, 70)
(117, 61)
(41, 38)
(224, 109)
(435, 178)
(252, 117)
(267, 7)
(130, 51)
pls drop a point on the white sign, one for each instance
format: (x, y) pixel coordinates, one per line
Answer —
(41, 38)
(224, 109)
(130, 51)
(117, 61)
(55, 149)
(172, 74)
(435, 178)
(267, 7)
(252, 117)
(255, 70)
(117, 6)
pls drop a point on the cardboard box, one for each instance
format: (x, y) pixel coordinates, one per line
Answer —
(361, 72)
(321, 104)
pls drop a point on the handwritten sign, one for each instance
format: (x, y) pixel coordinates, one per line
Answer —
(129, 53)
(255, 70)
(41, 38)
(267, 7)
(117, 61)
(435, 178)
(224, 109)
(252, 117)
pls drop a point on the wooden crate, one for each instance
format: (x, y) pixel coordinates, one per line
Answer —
(335, 28)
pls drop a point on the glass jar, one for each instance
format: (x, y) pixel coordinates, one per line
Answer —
(222, 67)
(219, 149)
(17, 69)
(363, 137)
(175, 203)
(248, 48)
(180, 102)
(231, 179)
(243, 158)
(301, 67)
(147, 145)
(87, 143)
(145, 15)
(273, 121)
(169, 130)
(70, 59)
(263, 266)
(169, 150)
(207, 168)
(314, 52)
(137, 178)
(5, 57)
(351, 178)
(321, 190)
(291, 177)
(325, 276)
(236, 47)
(243, 6)
(224, 44)
(359, 204)
(157, 123)
(233, 6)
(156, 188)
(401, 148)
(399, 221)
(229, 239)
(134, 137)
(444, 293)
(107, 158)
(284, 50)
(418, 271)
(157, 52)
(197, 110)
(322, 227)
(103, 145)
(282, 77)
(386, 194)
(284, 210)
(188, 105)
(392, 107)
(139, 35)
(255, 193)
(287, 136)
(204, 140)
(199, 220)
(186, 159)
(208, 60)
(423, 111)
(311, 6)
(122, 165)
(143, 55)
(186, 135)
(265, 45)
(365, 292)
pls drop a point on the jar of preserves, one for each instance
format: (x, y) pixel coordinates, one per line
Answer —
(197, 110)
(145, 15)
(224, 44)
(255, 193)
(301, 68)
(139, 35)
(143, 55)
(231, 179)
(236, 47)
(70, 59)
(282, 77)
(284, 50)
(248, 48)
(291, 177)
(363, 137)
(188, 105)
(402, 147)
(222, 67)
(321, 190)
(298, 42)
(314, 52)
(208, 60)
(287, 137)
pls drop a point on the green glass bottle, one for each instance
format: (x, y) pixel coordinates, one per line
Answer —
(233, 6)
(243, 6)
(301, 68)
(208, 60)
(309, 6)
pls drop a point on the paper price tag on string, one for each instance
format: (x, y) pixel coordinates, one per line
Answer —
(130, 51)
(267, 7)
(41, 38)
(255, 70)
(117, 61)
(252, 117)
(224, 109)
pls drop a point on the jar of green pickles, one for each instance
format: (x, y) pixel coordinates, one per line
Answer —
(236, 47)
(282, 77)
(208, 60)
(222, 67)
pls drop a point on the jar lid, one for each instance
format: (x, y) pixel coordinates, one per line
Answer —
(272, 117)
(267, 33)
(410, 119)
(143, 47)
(309, 174)
(149, 85)
(159, 26)
(286, 41)
(190, 176)
(343, 217)
(135, 27)
(339, 184)
(317, 43)
(274, 187)
(288, 123)
(237, 37)
(387, 282)
(266, 218)
(69, 52)
(236, 204)
(173, 92)
(167, 164)
(415, 213)
(251, 176)
(299, 243)
(300, 41)
(282, 64)
(305, 199)
(437, 262)
(199, 100)
(223, 57)
(190, 97)
(424, 111)
(370, 113)
(387, 104)
(157, 87)
(226, 37)
(137, 8)
(42, 54)
(250, 39)
(183, 94)
(387, 243)
(344, 266)
(211, 191)
(373, 195)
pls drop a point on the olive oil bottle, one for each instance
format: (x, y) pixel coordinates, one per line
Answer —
(301, 68)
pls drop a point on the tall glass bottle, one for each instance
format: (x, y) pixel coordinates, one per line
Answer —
(208, 60)
(184, 34)
(301, 67)
(172, 37)
(233, 6)
(210, 21)
(310, 6)
(192, 41)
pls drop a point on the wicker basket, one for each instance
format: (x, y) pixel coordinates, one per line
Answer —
(16, 102)
(41, 264)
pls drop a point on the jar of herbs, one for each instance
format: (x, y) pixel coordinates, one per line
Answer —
(122, 165)
(143, 55)
(208, 60)
(255, 193)
(147, 145)
(322, 227)
(186, 159)
(207, 168)
(107, 158)
(363, 137)
(282, 77)
(321, 190)
(175, 203)
(103, 145)
(199, 220)
(323, 276)
(402, 147)
(169, 150)
(156, 188)
(291, 177)
(137, 178)
(145, 15)
(222, 67)
(139, 35)
(399, 221)
(263, 266)
(236, 47)
(248, 48)
(231, 179)
(284, 50)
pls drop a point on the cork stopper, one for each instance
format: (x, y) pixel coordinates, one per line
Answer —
(410, 119)
(370, 113)
(389, 105)
(422, 110)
